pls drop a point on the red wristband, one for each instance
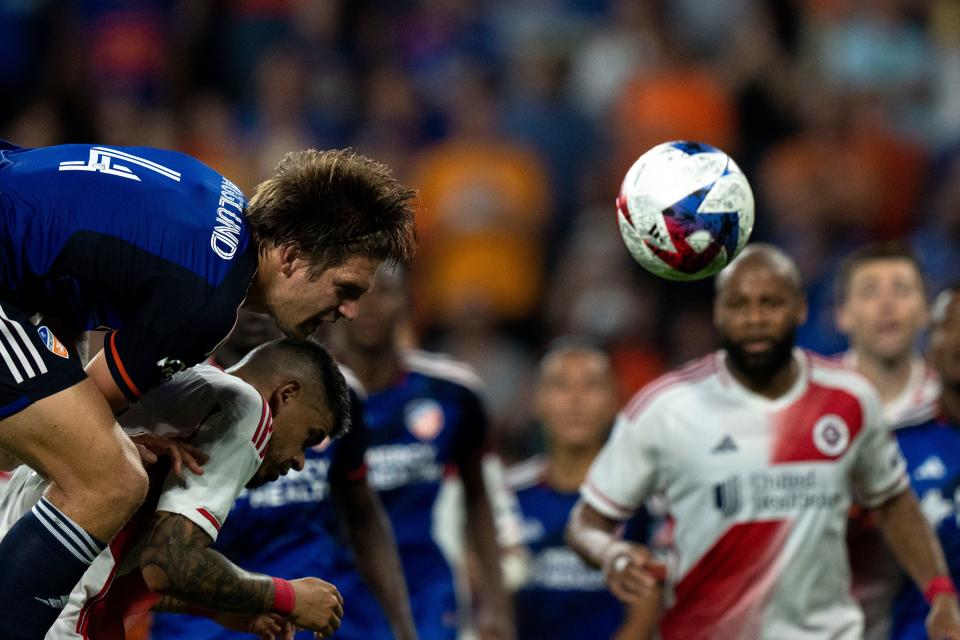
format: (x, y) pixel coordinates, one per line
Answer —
(284, 597)
(937, 586)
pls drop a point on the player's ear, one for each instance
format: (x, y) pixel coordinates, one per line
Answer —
(289, 256)
(284, 393)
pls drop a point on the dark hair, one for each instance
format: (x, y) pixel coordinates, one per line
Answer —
(333, 205)
(871, 253)
(313, 364)
(566, 344)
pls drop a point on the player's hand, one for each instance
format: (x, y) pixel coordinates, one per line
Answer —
(630, 571)
(151, 446)
(318, 606)
(943, 623)
(266, 626)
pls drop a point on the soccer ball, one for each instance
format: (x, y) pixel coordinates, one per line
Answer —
(685, 210)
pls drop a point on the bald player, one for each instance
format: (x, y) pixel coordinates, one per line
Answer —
(759, 449)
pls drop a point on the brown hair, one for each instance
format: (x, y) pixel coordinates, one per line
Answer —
(871, 253)
(333, 205)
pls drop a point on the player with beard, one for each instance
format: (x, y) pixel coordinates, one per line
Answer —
(759, 450)
(882, 309)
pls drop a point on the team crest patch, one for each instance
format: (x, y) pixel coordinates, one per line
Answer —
(831, 435)
(424, 418)
(53, 345)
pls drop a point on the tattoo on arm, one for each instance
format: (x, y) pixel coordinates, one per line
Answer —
(199, 575)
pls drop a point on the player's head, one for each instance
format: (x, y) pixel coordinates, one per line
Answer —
(881, 301)
(323, 224)
(385, 308)
(758, 307)
(575, 394)
(308, 397)
(944, 350)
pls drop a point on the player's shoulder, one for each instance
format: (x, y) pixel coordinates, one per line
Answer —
(686, 380)
(834, 372)
(443, 368)
(237, 398)
(525, 474)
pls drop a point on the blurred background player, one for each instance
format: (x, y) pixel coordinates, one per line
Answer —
(254, 421)
(309, 521)
(932, 451)
(758, 448)
(425, 419)
(163, 250)
(561, 597)
(882, 309)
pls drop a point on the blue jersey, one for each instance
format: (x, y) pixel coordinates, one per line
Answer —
(422, 425)
(562, 598)
(286, 528)
(150, 243)
(932, 451)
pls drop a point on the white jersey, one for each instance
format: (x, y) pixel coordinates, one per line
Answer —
(217, 412)
(917, 402)
(758, 490)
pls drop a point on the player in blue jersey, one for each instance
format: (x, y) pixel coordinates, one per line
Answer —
(561, 597)
(322, 520)
(932, 451)
(162, 250)
(425, 417)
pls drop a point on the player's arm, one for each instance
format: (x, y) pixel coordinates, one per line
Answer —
(177, 561)
(626, 566)
(640, 622)
(370, 535)
(266, 626)
(918, 551)
(98, 371)
(494, 610)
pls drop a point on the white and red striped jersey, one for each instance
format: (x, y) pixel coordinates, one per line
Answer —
(217, 412)
(758, 491)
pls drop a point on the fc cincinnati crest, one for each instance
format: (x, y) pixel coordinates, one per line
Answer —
(424, 418)
(831, 435)
(55, 346)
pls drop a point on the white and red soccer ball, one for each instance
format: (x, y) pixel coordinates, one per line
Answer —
(685, 210)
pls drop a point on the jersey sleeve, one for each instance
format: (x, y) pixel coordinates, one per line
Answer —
(474, 425)
(231, 439)
(879, 471)
(623, 474)
(347, 463)
(179, 321)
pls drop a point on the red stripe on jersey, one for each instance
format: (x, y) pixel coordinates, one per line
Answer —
(265, 436)
(263, 417)
(209, 516)
(691, 373)
(724, 594)
(820, 425)
(608, 500)
(123, 371)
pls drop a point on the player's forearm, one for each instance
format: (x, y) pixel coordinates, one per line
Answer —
(589, 534)
(370, 536)
(177, 562)
(911, 539)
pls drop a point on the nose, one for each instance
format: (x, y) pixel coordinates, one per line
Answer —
(298, 462)
(348, 309)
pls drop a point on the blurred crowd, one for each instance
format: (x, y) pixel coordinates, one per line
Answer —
(516, 122)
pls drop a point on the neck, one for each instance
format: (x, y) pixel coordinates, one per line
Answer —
(950, 403)
(769, 386)
(377, 369)
(890, 377)
(567, 467)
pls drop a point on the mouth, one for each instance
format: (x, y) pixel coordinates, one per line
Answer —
(756, 345)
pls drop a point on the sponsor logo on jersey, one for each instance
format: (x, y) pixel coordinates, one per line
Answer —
(50, 341)
(397, 465)
(774, 493)
(561, 568)
(831, 435)
(726, 496)
(727, 445)
(930, 469)
(424, 418)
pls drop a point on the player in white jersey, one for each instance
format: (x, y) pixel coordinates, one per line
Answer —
(758, 450)
(254, 422)
(882, 309)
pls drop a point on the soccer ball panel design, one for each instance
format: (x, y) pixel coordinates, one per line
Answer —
(685, 210)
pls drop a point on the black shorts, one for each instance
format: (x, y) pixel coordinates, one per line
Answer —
(34, 364)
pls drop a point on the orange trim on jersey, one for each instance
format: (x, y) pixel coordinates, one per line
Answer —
(120, 367)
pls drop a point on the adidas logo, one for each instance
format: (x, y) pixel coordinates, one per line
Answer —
(931, 469)
(727, 445)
